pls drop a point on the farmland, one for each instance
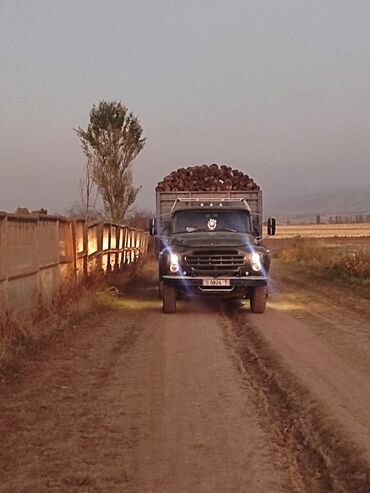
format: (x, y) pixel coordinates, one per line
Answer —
(340, 253)
(324, 231)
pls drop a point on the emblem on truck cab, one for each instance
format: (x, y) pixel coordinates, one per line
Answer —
(212, 224)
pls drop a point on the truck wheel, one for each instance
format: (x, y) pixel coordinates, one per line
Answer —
(258, 299)
(169, 299)
(160, 290)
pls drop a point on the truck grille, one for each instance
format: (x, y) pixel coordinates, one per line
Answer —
(220, 261)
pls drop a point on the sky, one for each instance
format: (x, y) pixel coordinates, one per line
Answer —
(279, 89)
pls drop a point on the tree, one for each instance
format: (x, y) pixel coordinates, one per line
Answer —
(111, 142)
(87, 190)
(139, 219)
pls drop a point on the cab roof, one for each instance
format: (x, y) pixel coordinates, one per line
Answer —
(210, 204)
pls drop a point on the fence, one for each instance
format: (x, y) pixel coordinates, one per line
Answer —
(39, 253)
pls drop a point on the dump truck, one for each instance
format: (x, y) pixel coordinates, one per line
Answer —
(209, 243)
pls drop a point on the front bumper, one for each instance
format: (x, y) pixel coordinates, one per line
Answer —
(191, 282)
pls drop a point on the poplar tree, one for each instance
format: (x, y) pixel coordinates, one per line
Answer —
(113, 139)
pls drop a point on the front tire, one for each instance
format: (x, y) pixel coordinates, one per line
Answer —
(169, 299)
(160, 290)
(258, 299)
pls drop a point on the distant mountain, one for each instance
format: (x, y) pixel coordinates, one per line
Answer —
(348, 201)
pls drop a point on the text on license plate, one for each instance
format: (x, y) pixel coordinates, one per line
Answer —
(216, 282)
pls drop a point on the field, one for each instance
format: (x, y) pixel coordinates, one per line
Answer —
(324, 230)
(339, 253)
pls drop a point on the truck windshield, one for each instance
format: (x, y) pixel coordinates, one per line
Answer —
(190, 221)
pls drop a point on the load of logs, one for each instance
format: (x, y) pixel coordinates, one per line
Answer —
(206, 177)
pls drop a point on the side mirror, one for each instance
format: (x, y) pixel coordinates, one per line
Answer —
(152, 226)
(271, 226)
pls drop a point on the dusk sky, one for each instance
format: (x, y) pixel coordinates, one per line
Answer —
(279, 89)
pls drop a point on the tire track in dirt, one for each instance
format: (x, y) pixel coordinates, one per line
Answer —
(331, 457)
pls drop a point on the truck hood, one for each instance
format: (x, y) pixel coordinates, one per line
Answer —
(209, 239)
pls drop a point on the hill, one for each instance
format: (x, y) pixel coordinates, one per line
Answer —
(345, 201)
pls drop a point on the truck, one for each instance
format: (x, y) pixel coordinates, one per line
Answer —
(209, 243)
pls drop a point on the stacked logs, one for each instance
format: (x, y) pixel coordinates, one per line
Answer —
(207, 178)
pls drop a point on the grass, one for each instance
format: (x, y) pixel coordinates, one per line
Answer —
(332, 263)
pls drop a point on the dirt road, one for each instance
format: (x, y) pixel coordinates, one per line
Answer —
(212, 399)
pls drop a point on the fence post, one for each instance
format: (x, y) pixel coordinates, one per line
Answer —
(128, 246)
(100, 235)
(36, 246)
(109, 267)
(3, 266)
(137, 244)
(133, 239)
(142, 250)
(116, 255)
(120, 248)
(124, 246)
(141, 243)
(74, 248)
(85, 249)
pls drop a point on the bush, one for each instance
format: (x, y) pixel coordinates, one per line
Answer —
(356, 264)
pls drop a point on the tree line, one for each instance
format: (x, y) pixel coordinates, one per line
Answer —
(356, 219)
(347, 219)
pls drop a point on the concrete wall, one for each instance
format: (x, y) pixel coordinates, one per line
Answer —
(39, 253)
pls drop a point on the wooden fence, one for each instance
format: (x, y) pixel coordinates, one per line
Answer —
(39, 253)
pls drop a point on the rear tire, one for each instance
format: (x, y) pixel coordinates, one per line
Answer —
(258, 299)
(169, 299)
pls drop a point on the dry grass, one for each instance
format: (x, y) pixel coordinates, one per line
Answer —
(323, 230)
(73, 303)
(335, 263)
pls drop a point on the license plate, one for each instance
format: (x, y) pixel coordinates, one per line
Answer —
(216, 282)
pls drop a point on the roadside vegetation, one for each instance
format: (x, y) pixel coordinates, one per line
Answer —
(23, 336)
(339, 263)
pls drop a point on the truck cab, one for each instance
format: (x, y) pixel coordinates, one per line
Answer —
(210, 246)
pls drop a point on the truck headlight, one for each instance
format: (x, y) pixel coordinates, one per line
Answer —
(174, 261)
(256, 263)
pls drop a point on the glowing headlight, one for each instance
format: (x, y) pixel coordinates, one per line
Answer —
(256, 262)
(174, 261)
(174, 258)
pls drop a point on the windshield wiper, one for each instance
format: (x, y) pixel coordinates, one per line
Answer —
(228, 229)
(190, 230)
